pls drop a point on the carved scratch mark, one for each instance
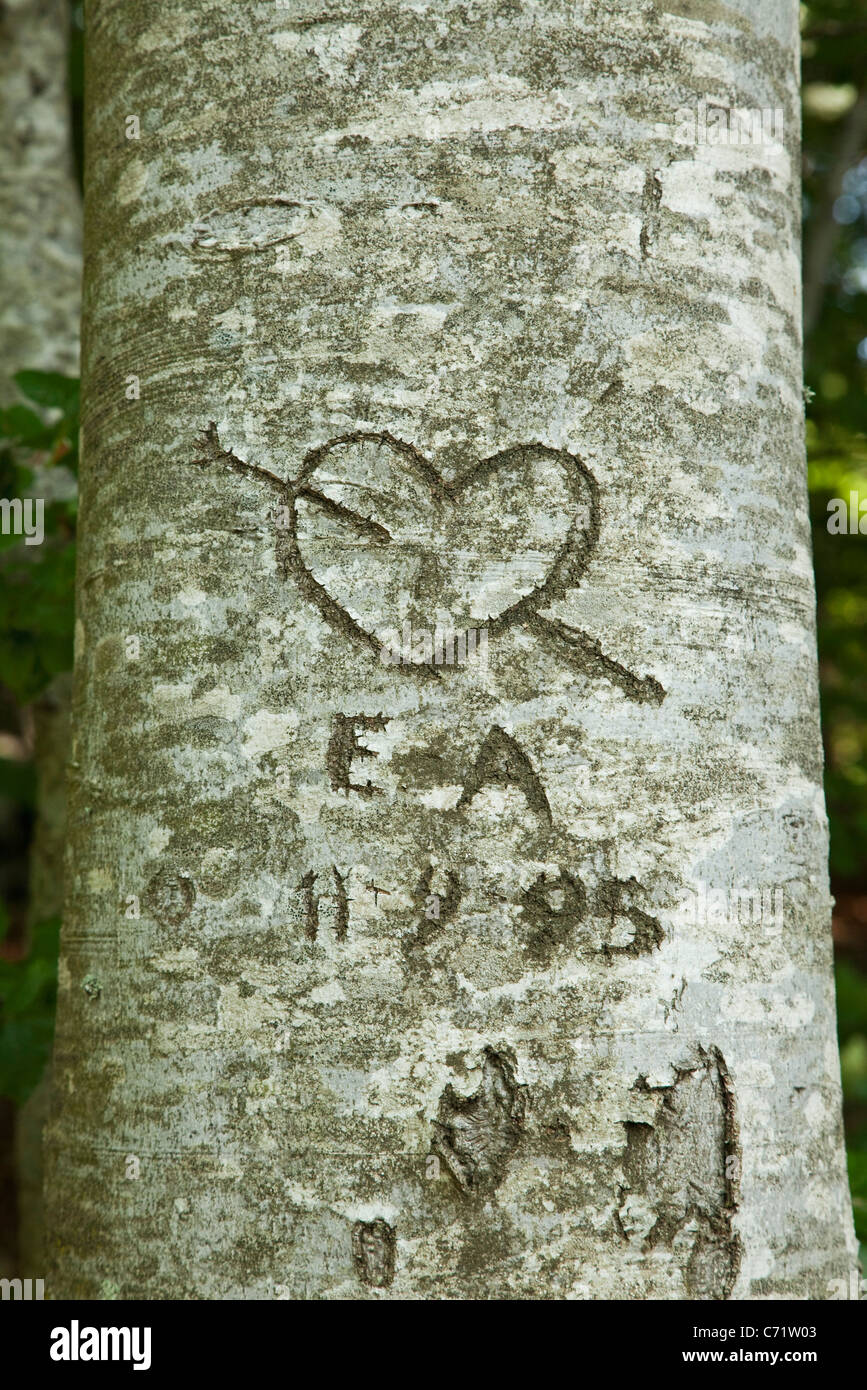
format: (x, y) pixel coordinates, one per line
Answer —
(587, 654)
(214, 452)
(438, 907)
(364, 525)
(249, 226)
(650, 201)
(170, 896)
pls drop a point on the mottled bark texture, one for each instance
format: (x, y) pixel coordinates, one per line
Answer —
(397, 980)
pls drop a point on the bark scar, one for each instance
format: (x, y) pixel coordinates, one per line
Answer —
(682, 1175)
(477, 1135)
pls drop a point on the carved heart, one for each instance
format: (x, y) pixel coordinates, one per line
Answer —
(379, 537)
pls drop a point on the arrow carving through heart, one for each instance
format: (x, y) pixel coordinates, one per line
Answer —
(376, 537)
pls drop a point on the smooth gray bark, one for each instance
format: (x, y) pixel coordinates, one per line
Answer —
(415, 981)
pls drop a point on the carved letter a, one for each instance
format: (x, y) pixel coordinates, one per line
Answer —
(502, 762)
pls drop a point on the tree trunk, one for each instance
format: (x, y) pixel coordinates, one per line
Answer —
(385, 975)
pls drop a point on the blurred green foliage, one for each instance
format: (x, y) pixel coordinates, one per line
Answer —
(28, 989)
(37, 581)
(834, 75)
(837, 468)
(37, 616)
(852, 1024)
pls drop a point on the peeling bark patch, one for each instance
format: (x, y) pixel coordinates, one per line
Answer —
(170, 897)
(253, 225)
(374, 1246)
(650, 201)
(681, 1175)
(475, 1136)
(502, 762)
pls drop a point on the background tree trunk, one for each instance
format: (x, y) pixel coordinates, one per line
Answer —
(386, 980)
(51, 748)
(40, 206)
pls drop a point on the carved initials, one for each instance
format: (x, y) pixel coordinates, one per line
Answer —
(502, 762)
(312, 901)
(344, 748)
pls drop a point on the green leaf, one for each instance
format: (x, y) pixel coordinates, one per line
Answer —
(28, 993)
(857, 1162)
(20, 425)
(50, 389)
(36, 615)
(25, 1048)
